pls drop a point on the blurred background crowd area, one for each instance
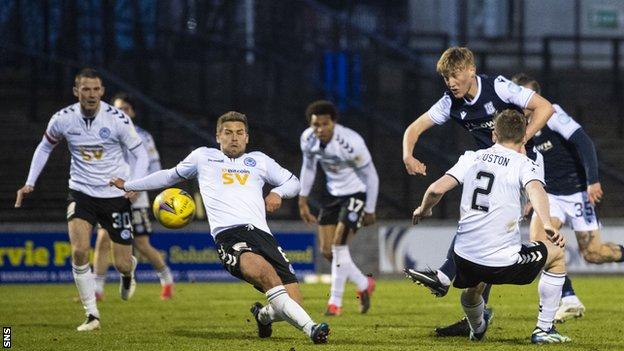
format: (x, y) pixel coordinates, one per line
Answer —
(188, 61)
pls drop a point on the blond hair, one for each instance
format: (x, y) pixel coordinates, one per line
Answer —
(455, 59)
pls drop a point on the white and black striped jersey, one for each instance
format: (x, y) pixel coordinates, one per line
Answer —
(232, 187)
(344, 153)
(142, 200)
(493, 181)
(96, 146)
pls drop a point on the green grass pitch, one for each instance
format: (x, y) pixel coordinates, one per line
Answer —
(215, 316)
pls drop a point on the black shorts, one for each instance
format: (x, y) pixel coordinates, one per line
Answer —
(531, 262)
(141, 222)
(232, 242)
(347, 209)
(112, 214)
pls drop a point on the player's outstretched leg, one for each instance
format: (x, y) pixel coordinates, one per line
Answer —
(430, 279)
(571, 307)
(257, 270)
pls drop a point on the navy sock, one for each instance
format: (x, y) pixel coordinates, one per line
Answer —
(567, 289)
(448, 268)
(486, 293)
(622, 257)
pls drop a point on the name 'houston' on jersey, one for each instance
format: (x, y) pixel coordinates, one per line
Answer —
(344, 153)
(493, 180)
(96, 146)
(232, 188)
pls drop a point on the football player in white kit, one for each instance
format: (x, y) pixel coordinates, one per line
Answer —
(573, 187)
(230, 182)
(487, 245)
(97, 135)
(140, 217)
(353, 185)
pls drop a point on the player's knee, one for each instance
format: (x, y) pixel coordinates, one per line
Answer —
(80, 255)
(556, 259)
(256, 269)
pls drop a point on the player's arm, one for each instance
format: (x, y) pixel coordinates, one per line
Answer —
(542, 111)
(39, 160)
(539, 200)
(185, 170)
(410, 138)
(433, 195)
(587, 153)
(286, 185)
(156, 180)
(307, 175)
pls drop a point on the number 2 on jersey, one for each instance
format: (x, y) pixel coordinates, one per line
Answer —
(483, 191)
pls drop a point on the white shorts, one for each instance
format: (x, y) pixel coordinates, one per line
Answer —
(575, 210)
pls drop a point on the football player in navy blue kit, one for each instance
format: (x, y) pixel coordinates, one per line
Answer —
(573, 187)
(471, 100)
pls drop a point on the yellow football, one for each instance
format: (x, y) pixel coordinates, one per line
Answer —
(174, 208)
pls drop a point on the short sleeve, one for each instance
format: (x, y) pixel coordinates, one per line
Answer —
(512, 93)
(440, 112)
(54, 132)
(458, 171)
(562, 123)
(187, 168)
(530, 170)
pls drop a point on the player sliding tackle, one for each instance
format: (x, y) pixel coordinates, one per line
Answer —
(230, 182)
(487, 245)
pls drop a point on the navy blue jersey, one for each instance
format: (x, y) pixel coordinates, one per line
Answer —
(476, 116)
(564, 171)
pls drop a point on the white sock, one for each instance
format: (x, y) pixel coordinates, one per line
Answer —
(339, 273)
(289, 309)
(85, 282)
(100, 280)
(549, 287)
(474, 314)
(443, 278)
(269, 315)
(355, 274)
(165, 276)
